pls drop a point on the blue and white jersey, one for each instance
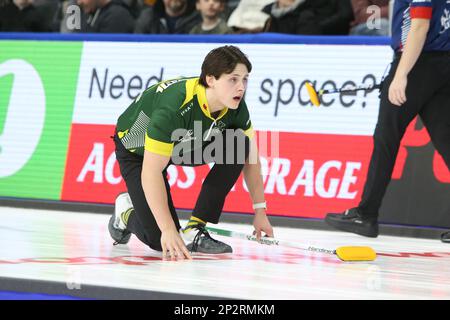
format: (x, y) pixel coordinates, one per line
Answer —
(437, 11)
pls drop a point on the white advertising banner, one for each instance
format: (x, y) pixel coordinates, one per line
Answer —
(112, 74)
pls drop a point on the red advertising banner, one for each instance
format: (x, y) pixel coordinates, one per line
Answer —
(92, 172)
(304, 175)
(311, 172)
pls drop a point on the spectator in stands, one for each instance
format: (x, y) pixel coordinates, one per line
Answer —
(212, 22)
(168, 17)
(106, 16)
(230, 5)
(309, 17)
(248, 16)
(136, 6)
(363, 25)
(48, 8)
(334, 16)
(64, 13)
(292, 16)
(22, 16)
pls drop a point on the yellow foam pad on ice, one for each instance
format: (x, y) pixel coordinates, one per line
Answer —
(313, 96)
(356, 253)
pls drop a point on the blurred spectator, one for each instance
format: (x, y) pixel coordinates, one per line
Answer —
(364, 24)
(292, 16)
(334, 16)
(66, 11)
(22, 16)
(212, 23)
(168, 16)
(309, 17)
(230, 5)
(48, 8)
(248, 16)
(63, 14)
(106, 16)
(136, 6)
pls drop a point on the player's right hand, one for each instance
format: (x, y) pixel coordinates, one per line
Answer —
(173, 247)
(397, 90)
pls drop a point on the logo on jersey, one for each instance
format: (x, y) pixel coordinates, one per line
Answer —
(186, 109)
(24, 112)
(445, 21)
(163, 86)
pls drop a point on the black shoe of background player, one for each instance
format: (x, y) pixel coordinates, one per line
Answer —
(445, 237)
(352, 221)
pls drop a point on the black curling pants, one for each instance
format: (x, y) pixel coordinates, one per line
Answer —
(218, 183)
(428, 95)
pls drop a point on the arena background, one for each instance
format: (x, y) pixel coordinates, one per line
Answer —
(61, 95)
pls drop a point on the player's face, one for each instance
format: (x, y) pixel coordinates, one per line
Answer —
(230, 88)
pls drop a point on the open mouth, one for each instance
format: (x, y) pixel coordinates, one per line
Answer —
(237, 98)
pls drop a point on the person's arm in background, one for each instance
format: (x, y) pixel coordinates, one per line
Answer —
(385, 11)
(412, 50)
(360, 11)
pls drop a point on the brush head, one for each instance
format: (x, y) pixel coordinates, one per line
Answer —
(313, 95)
(356, 253)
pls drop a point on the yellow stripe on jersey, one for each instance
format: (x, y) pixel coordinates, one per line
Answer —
(200, 91)
(250, 133)
(203, 103)
(158, 147)
(190, 89)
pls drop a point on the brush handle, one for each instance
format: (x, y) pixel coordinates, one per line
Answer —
(266, 240)
(377, 86)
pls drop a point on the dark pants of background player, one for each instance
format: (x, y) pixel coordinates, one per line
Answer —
(215, 188)
(428, 95)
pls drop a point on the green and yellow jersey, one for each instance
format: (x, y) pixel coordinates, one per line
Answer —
(155, 119)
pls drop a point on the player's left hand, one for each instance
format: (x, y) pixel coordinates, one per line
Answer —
(261, 224)
(397, 90)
